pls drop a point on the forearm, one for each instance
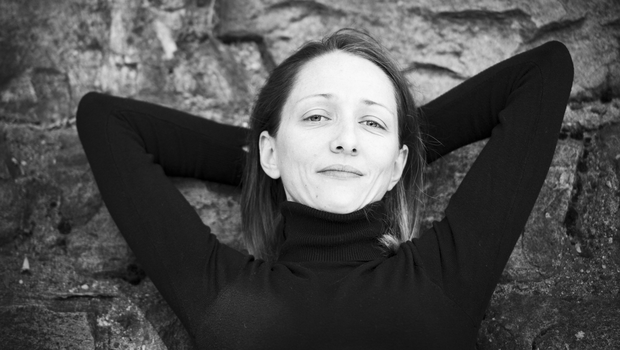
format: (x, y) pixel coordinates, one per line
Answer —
(183, 145)
(470, 111)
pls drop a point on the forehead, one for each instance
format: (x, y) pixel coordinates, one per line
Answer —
(347, 77)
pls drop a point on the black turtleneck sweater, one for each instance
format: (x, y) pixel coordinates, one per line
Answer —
(334, 237)
(332, 286)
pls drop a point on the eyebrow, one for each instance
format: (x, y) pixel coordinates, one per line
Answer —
(331, 97)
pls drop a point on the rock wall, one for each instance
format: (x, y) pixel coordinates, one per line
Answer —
(83, 288)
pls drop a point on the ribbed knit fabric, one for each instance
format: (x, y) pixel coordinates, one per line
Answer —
(314, 235)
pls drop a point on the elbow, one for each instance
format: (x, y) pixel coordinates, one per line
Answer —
(90, 118)
(89, 111)
(559, 52)
(88, 104)
(92, 97)
(558, 63)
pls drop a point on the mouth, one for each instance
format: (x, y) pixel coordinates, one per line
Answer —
(341, 171)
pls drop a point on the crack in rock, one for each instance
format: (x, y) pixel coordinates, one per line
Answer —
(553, 27)
(243, 37)
(311, 7)
(433, 68)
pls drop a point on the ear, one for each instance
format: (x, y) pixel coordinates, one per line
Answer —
(399, 166)
(268, 155)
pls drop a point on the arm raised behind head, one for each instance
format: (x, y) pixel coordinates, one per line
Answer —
(132, 147)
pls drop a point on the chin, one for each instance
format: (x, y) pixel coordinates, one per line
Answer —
(341, 207)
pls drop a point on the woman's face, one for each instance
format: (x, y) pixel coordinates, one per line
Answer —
(337, 146)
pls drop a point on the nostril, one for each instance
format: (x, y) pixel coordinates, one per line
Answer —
(348, 151)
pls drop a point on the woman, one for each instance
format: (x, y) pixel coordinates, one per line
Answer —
(330, 195)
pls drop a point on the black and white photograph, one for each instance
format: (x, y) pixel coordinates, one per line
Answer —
(285, 174)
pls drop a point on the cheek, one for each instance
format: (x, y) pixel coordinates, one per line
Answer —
(296, 150)
(385, 160)
(286, 153)
(291, 157)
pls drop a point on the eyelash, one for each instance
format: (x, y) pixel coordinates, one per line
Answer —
(313, 116)
(367, 122)
(377, 124)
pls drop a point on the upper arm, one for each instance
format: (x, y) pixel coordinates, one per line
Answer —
(520, 104)
(124, 144)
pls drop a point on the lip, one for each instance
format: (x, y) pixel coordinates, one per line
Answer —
(341, 171)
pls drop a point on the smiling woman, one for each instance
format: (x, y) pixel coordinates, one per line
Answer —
(333, 150)
(336, 150)
(336, 139)
(331, 188)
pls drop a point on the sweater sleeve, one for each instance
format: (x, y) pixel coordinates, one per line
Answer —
(132, 147)
(518, 103)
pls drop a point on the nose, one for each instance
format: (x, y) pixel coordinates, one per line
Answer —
(345, 140)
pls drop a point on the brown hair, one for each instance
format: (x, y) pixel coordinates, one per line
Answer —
(262, 195)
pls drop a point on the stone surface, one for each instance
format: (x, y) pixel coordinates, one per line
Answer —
(543, 322)
(451, 169)
(538, 253)
(36, 327)
(592, 115)
(13, 211)
(218, 207)
(209, 57)
(98, 246)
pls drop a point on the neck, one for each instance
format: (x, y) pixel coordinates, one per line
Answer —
(314, 235)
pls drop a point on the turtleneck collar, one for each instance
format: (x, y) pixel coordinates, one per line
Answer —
(314, 235)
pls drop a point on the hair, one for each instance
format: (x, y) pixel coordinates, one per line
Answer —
(262, 195)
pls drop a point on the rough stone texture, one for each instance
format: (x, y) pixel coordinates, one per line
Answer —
(36, 327)
(84, 290)
(538, 253)
(218, 207)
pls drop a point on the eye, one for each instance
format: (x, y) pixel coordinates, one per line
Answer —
(373, 124)
(316, 118)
